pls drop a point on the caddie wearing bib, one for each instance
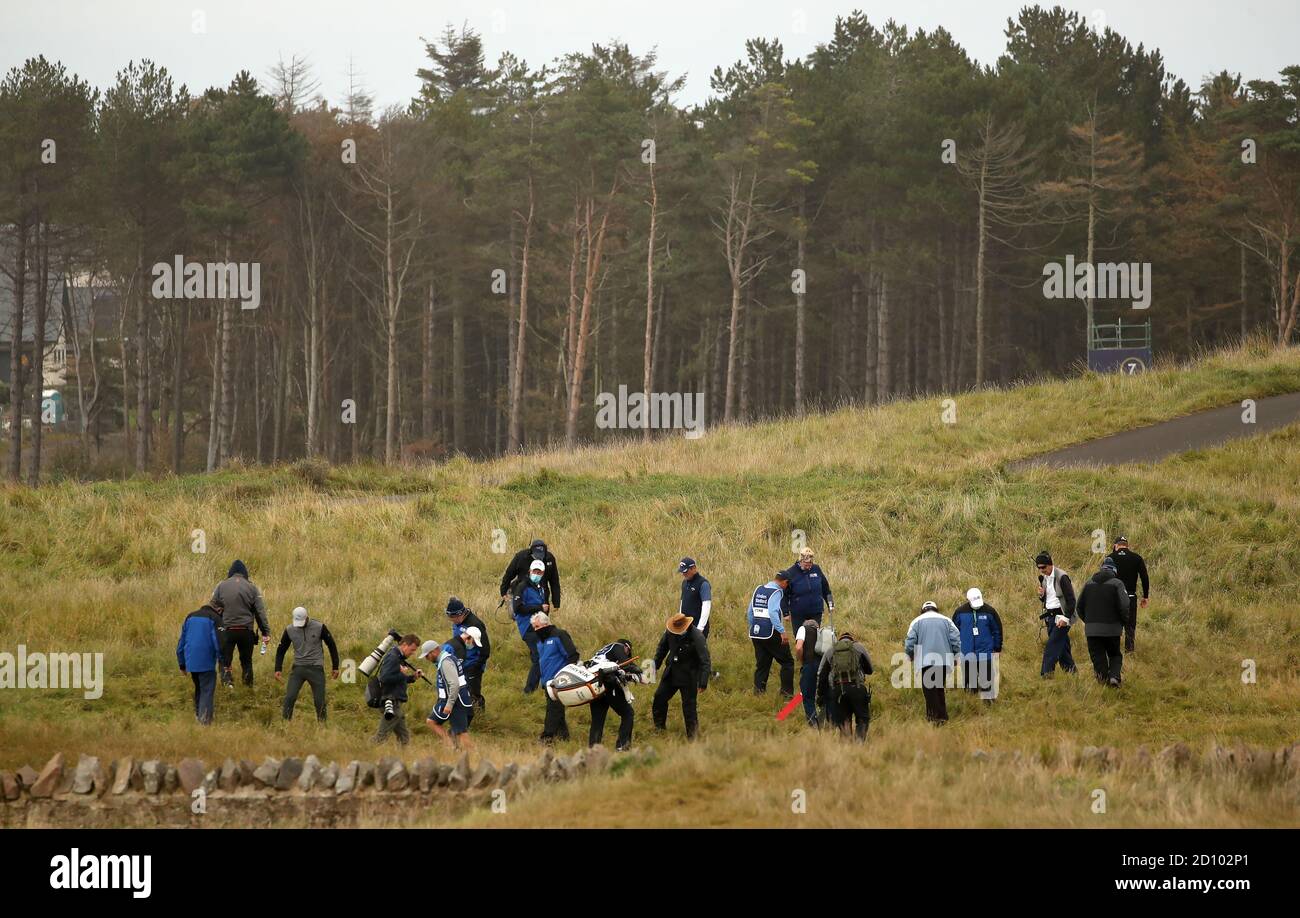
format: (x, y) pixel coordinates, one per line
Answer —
(453, 709)
(767, 631)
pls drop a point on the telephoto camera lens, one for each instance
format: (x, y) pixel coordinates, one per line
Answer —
(389, 710)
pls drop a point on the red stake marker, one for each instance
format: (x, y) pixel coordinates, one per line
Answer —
(794, 702)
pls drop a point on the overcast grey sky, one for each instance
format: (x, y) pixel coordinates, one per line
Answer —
(95, 38)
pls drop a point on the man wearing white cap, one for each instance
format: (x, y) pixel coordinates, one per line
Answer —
(529, 596)
(981, 644)
(932, 642)
(454, 705)
(306, 636)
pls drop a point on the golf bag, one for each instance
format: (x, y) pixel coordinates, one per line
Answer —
(582, 683)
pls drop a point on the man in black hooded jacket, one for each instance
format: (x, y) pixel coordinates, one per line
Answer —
(1103, 608)
(244, 615)
(518, 568)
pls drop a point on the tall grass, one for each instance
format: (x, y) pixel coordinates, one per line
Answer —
(900, 507)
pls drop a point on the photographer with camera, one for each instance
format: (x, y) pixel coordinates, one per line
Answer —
(394, 677)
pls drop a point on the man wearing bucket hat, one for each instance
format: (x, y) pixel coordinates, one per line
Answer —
(306, 636)
(529, 596)
(686, 654)
(981, 643)
(454, 707)
(463, 619)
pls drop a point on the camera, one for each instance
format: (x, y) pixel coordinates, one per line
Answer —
(390, 710)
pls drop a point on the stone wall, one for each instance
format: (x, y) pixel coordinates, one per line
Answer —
(277, 792)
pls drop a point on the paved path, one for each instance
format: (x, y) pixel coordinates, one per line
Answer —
(1195, 431)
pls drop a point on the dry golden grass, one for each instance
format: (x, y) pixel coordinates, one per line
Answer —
(900, 508)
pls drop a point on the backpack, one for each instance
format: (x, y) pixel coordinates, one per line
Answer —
(825, 640)
(845, 667)
(374, 694)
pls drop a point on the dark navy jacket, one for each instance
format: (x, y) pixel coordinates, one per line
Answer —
(526, 600)
(806, 594)
(986, 621)
(392, 681)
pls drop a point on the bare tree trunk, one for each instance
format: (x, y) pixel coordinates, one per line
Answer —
(1245, 310)
(516, 436)
(884, 378)
(457, 375)
(142, 412)
(38, 343)
(180, 324)
(732, 341)
(16, 356)
(426, 370)
(799, 313)
(595, 247)
(226, 409)
(647, 373)
(871, 392)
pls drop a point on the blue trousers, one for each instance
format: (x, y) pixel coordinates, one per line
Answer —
(205, 687)
(808, 688)
(535, 667)
(1057, 649)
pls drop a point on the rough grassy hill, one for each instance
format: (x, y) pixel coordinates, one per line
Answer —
(900, 508)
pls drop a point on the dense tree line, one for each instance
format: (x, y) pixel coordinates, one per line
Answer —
(463, 273)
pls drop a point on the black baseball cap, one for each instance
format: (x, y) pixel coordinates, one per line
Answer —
(1121, 540)
(538, 549)
(685, 565)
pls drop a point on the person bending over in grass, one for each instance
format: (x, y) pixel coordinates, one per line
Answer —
(932, 643)
(454, 706)
(198, 652)
(841, 686)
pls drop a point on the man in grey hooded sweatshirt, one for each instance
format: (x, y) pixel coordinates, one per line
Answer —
(244, 616)
(1103, 608)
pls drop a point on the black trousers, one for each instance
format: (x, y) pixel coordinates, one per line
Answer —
(245, 641)
(933, 681)
(1107, 658)
(313, 676)
(556, 725)
(614, 700)
(664, 693)
(850, 707)
(1130, 626)
(474, 678)
(767, 650)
